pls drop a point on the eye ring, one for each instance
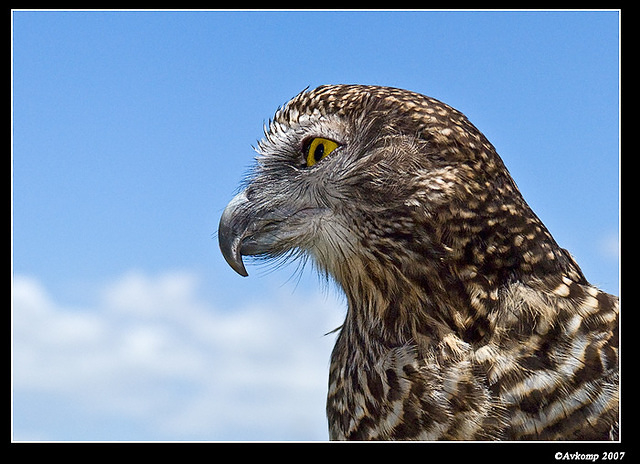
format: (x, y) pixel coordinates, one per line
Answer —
(316, 149)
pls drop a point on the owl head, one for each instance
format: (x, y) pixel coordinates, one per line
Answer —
(369, 180)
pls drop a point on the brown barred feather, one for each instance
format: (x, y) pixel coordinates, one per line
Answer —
(466, 320)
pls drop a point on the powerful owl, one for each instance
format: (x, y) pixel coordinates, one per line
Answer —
(465, 319)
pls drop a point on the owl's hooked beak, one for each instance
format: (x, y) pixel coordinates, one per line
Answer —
(249, 228)
(231, 231)
(246, 229)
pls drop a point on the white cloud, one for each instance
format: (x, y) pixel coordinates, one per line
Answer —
(152, 353)
(610, 246)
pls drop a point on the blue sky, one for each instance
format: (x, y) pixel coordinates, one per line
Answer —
(131, 132)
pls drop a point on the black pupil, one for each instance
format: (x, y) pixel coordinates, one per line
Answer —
(318, 152)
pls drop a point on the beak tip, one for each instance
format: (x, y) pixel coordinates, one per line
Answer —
(230, 248)
(234, 259)
(240, 269)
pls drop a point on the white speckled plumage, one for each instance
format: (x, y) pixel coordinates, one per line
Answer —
(465, 319)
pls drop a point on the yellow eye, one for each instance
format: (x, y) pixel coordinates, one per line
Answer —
(318, 149)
